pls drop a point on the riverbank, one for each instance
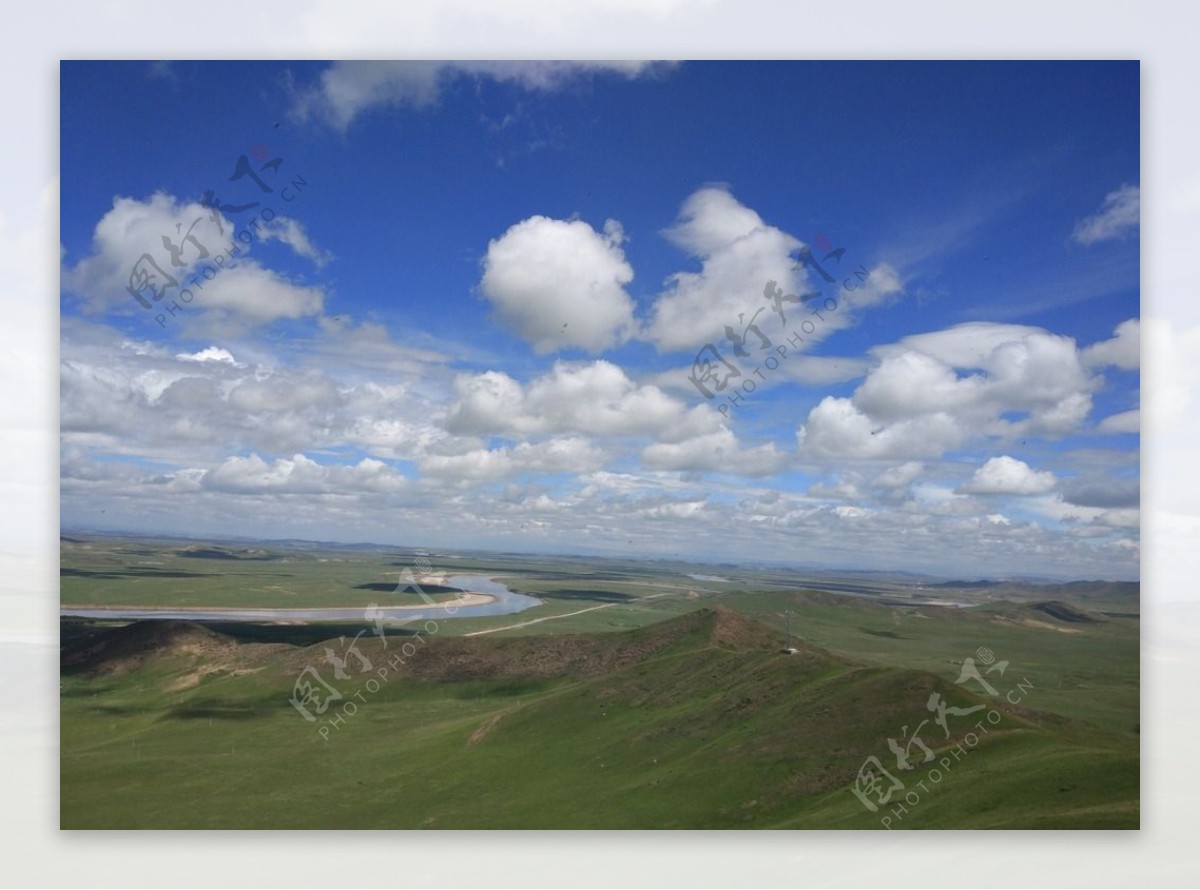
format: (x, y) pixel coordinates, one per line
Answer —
(489, 597)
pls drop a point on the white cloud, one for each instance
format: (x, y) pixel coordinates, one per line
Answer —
(837, 428)
(142, 400)
(1117, 217)
(909, 383)
(573, 455)
(593, 398)
(743, 262)
(718, 451)
(347, 89)
(251, 292)
(473, 467)
(1007, 475)
(283, 393)
(560, 284)
(899, 476)
(934, 499)
(1055, 507)
(891, 489)
(141, 427)
(966, 345)
(739, 254)
(300, 475)
(1125, 422)
(1122, 351)
(133, 228)
(210, 354)
(238, 291)
(684, 510)
(933, 392)
(846, 487)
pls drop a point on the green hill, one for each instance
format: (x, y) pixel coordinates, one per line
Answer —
(699, 721)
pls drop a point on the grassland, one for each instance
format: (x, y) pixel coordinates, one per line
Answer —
(668, 704)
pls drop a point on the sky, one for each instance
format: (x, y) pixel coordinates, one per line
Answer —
(842, 315)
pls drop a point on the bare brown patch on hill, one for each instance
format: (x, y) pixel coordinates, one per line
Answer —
(576, 656)
(119, 650)
(730, 628)
(204, 652)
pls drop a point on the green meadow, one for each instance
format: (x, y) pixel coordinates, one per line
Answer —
(646, 698)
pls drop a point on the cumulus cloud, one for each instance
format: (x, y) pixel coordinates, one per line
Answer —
(1122, 351)
(299, 475)
(1117, 217)
(899, 476)
(347, 89)
(933, 392)
(574, 455)
(280, 450)
(845, 487)
(133, 228)
(180, 243)
(1007, 475)
(591, 398)
(739, 252)
(718, 451)
(142, 399)
(560, 284)
(251, 292)
(836, 427)
(744, 261)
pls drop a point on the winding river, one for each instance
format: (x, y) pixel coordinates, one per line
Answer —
(490, 598)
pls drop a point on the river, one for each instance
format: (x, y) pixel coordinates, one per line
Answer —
(503, 602)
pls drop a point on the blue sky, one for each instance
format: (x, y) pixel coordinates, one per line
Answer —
(473, 323)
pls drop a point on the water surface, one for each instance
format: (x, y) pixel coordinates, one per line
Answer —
(505, 603)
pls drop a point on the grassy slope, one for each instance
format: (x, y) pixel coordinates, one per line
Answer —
(1087, 671)
(695, 722)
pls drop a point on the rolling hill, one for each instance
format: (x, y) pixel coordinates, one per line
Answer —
(698, 721)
